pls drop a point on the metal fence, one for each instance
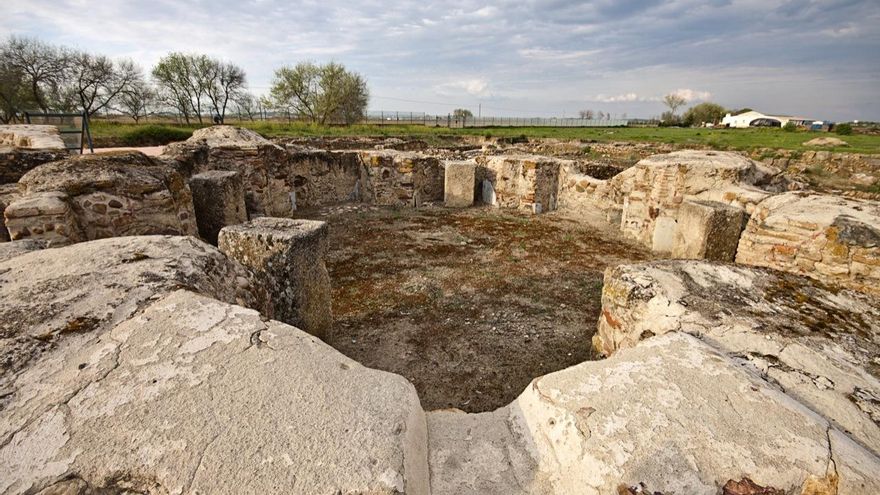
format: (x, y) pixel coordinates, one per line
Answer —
(417, 118)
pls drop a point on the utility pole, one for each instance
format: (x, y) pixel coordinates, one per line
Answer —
(480, 110)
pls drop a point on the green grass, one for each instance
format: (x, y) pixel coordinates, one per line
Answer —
(722, 139)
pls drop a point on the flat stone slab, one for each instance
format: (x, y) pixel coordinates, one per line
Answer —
(459, 184)
(52, 296)
(198, 396)
(672, 413)
(818, 343)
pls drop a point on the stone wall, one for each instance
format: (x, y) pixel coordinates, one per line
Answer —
(523, 182)
(400, 178)
(90, 197)
(826, 237)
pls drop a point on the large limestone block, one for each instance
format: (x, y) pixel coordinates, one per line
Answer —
(198, 396)
(9, 250)
(108, 195)
(31, 136)
(458, 184)
(43, 216)
(820, 344)
(672, 413)
(656, 187)
(832, 239)
(56, 297)
(288, 256)
(708, 230)
(15, 162)
(218, 200)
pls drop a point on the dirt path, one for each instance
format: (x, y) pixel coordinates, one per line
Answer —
(469, 305)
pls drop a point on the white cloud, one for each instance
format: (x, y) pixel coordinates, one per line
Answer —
(473, 87)
(692, 95)
(625, 97)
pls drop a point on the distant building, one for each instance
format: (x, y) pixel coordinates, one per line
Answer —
(758, 119)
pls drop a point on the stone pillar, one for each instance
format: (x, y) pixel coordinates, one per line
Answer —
(708, 230)
(458, 185)
(218, 199)
(287, 255)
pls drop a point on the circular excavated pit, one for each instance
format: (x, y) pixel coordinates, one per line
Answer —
(469, 305)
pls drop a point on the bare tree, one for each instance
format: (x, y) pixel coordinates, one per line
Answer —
(674, 102)
(95, 81)
(41, 66)
(320, 92)
(137, 100)
(586, 114)
(226, 82)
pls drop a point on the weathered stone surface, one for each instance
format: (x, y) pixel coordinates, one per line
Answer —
(708, 230)
(820, 344)
(400, 178)
(672, 413)
(31, 136)
(264, 167)
(8, 194)
(43, 216)
(652, 191)
(525, 182)
(459, 184)
(57, 297)
(288, 257)
(218, 200)
(15, 162)
(9, 250)
(826, 237)
(97, 196)
(322, 177)
(198, 396)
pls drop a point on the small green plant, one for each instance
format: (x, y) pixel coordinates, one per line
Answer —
(789, 127)
(154, 135)
(843, 129)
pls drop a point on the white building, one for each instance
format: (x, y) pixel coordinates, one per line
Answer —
(758, 119)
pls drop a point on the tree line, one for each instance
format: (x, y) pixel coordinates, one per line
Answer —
(35, 75)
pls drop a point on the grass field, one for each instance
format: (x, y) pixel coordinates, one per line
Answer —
(723, 139)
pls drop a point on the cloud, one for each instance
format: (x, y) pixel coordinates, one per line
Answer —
(688, 94)
(542, 58)
(692, 95)
(473, 87)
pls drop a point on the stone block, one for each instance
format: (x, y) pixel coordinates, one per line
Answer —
(458, 184)
(218, 199)
(708, 230)
(288, 256)
(45, 216)
(199, 396)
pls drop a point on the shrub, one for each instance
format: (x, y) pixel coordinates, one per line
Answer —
(789, 127)
(154, 135)
(843, 129)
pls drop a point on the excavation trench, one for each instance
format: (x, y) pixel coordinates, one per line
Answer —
(469, 305)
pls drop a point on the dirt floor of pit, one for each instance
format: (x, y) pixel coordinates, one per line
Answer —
(469, 305)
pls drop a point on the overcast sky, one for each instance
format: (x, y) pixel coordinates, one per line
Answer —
(817, 58)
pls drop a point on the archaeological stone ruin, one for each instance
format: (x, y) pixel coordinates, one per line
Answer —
(164, 323)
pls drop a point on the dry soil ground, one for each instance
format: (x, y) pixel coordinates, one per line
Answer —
(469, 305)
